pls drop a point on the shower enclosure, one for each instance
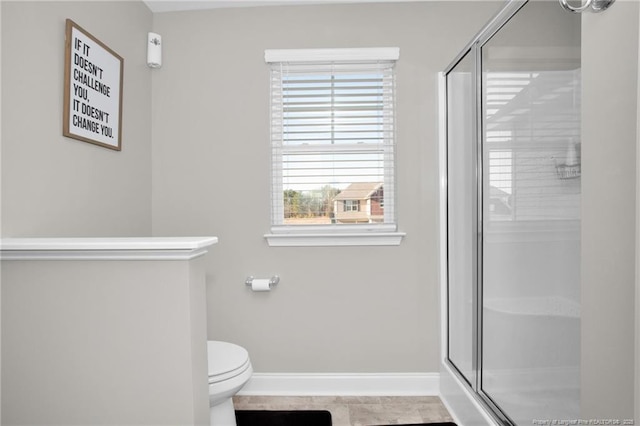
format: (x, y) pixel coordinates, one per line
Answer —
(512, 158)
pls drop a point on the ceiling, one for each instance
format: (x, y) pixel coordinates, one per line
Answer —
(178, 5)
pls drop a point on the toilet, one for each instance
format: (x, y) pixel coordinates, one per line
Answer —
(229, 370)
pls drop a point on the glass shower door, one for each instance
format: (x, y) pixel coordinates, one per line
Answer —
(462, 220)
(531, 216)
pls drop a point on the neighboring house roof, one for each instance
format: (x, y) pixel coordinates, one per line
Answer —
(497, 192)
(358, 191)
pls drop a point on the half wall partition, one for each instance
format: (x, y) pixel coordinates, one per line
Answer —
(512, 160)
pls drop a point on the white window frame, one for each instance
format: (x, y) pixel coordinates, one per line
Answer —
(351, 205)
(343, 234)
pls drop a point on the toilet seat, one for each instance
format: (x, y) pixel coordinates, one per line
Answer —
(226, 360)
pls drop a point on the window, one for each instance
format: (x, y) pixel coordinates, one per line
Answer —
(351, 205)
(333, 146)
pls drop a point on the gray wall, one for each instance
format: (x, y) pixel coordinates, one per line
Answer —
(112, 342)
(337, 309)
(609, 66)
(56, 186)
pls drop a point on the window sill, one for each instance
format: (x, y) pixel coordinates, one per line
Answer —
(335, 239)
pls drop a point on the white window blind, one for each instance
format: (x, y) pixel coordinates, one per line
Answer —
(333, 139)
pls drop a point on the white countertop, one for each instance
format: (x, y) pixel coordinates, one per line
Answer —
(130, 248)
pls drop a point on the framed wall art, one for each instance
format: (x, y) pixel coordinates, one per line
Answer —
(92, 106)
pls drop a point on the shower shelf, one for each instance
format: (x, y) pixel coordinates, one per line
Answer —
(568, 172)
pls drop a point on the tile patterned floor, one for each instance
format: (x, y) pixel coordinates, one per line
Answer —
(356, 410)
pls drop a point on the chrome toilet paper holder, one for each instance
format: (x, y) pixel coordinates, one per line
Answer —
(272, 281)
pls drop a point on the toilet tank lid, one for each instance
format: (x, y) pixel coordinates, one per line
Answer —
(225, 357)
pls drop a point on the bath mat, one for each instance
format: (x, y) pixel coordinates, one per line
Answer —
(283, 418)
(424, 424)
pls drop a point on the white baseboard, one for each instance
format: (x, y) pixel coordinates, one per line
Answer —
(342, 384)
